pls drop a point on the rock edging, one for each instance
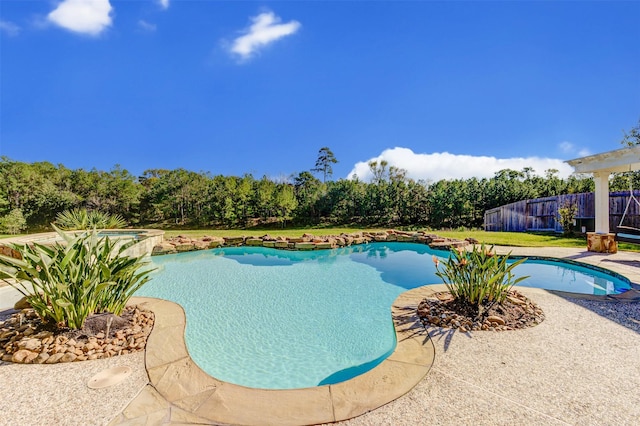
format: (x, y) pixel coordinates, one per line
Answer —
(307, 241)
(23, 339)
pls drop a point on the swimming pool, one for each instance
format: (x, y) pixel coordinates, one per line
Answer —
(274, 319)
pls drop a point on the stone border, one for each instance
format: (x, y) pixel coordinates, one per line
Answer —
(182, 383)
(307, 241)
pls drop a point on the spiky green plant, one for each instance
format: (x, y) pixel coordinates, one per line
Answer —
(82, 219)
(67, 282)
(478, 277)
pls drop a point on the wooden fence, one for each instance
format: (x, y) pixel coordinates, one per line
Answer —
(541, 214)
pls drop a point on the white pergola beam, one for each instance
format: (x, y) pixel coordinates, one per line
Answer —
(620, 160)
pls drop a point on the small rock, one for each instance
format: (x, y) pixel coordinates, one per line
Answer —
(54, 358)
(24, 356)
(496, 319)
(42, 358)
(68, 357)
(30, 344)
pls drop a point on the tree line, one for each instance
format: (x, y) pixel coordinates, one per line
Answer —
(32, 194)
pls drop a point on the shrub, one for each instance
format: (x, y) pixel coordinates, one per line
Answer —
(567, 216)
(81, 219)
(13, 223)
(65, 283)
(478, 277)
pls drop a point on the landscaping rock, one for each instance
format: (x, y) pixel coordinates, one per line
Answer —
(444, 311)
(28, 343)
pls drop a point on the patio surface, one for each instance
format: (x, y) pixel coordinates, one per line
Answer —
(580, 366)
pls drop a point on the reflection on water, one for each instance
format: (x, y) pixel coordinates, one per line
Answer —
(401, 264)
(312, 316)
(409, 265)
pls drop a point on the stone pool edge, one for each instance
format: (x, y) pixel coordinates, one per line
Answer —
(178, 380)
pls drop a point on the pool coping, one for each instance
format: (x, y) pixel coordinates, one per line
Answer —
(177, 378)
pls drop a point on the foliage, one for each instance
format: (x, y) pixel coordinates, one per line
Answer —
(567, 216)
(478, 277)
(323, 163)
(633, 137)
(13, 222)
(184, 198)
(82, 219)
(65, 283)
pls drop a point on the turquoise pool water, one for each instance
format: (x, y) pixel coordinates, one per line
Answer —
(275, 319)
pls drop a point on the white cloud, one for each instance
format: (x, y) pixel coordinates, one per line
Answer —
(443, 165)
(9, 28)
(82, 16)
(570, 148)
(265, 30)
(566, 147)
(146, 26)
(164, 4)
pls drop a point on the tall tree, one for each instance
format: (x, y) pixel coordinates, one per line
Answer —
(633, 137)
(324, 162)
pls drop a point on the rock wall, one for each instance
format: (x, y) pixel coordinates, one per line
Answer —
(306, 242)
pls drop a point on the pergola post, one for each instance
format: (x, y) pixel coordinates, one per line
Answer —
(601, 181)
(602, 165)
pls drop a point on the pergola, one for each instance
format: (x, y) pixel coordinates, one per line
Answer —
(601, 166)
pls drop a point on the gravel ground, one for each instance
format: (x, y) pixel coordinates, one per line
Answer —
(57, 394)
(623, 313)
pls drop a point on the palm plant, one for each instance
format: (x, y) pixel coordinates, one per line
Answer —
(81, 219)
(65, 283)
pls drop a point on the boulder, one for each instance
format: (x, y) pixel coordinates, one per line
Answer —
(216, 242)
(233, 241)
(164, 248)
(181, 247)
(200, 245)
(305, 246)
(323, 246)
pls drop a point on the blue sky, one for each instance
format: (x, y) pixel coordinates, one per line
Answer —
(443, 89)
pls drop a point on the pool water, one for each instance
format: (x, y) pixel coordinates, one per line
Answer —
(273, 319)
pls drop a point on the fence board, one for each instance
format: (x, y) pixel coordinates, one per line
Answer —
(541, 214)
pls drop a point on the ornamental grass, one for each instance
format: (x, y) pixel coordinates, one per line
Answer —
(478, 277)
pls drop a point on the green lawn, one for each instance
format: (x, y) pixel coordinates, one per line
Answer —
(258, 232)
(518, 239)
(514, 239)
